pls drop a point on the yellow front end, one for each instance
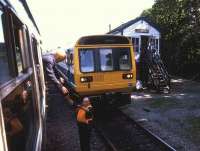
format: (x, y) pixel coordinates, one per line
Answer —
(104, 82)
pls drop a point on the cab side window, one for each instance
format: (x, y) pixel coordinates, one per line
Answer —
(5, 73)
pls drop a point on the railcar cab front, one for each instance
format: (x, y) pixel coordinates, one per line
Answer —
(101, 67)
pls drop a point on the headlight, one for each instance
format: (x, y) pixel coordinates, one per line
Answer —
(127, 76)
(86, 79)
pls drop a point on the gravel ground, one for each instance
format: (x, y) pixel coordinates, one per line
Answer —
(62, 131)
(125, 135)
(175, 117)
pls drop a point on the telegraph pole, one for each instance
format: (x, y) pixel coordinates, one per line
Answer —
(109, 27)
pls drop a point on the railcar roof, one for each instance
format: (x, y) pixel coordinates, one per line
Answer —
(103, 39)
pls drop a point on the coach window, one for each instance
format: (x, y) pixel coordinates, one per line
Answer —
(87, 61)
(24, 40)
(124, 59)
(35, 50)
(68, 60)
(106, 59)
(5, 74)
(18, 34)
(19, 118)
(38, 68)
(71, 58)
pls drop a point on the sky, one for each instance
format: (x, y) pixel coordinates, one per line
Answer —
(63, 22)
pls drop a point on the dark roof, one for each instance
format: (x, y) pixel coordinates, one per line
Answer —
(30, 14)
(103, 39)
(26, 7)
(129, 23)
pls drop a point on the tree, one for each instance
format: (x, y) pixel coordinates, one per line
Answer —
(179, 22)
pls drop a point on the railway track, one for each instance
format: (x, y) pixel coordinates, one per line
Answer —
(121, 133)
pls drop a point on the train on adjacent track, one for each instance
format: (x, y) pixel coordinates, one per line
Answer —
(101, 67)
(22, 87)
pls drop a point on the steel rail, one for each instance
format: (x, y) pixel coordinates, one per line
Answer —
(149, 133)
(107, 141)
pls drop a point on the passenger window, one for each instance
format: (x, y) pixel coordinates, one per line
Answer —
(38, 68)
(35, 50)
(24, 40)
(87, 60)
(18, 112)
(71, 58)
(5, 73)
(68, 59)
(106, 59)
(17, 34)
(124, 59)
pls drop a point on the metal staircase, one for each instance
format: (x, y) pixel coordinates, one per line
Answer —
(158, 75)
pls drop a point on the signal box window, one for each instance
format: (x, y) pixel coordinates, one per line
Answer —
(156, 44)
(87, 61)
(5, 74)
(106, 59)
(124, 59)
(136, 44)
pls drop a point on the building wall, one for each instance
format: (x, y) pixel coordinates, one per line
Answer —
(148, 30)
(130, 31)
